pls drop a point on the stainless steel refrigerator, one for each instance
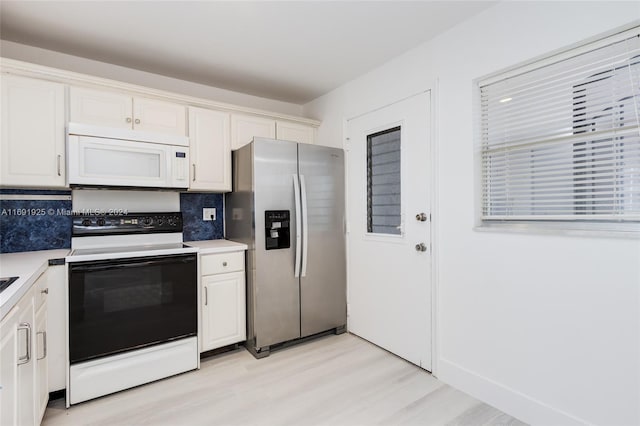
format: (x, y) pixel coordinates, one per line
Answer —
(287, 205)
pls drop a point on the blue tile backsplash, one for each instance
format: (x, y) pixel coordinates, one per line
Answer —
(195, 229)
(39, 224)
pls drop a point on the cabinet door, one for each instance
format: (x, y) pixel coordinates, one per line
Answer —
(41, 394)
(245, 127)
(56, 349)
(9, 368)
(100, 108)
(295, 132)
(33, 133)
(210, 150)
(150, 115)
(26, 361)
(223, 310)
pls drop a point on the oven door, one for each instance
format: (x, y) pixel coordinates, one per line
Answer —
(124, 304)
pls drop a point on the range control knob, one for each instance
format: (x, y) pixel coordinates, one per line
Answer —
(159, 221)
(101, 221)
(171, 221)
(147, 221)
(86, 222)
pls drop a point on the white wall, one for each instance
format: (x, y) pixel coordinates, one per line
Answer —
(63, 61)
(545, 327)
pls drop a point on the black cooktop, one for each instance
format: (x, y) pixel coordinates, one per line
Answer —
(134, 223)
(6, 282)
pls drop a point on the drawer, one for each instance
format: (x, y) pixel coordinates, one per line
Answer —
(222, 263)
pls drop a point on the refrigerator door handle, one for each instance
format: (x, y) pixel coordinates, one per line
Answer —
(296, 192)
(305, 225)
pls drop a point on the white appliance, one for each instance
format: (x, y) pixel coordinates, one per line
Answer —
(132, 303)
(101, 156)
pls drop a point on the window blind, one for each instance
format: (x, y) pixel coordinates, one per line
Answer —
(383, 182)
(561, 141)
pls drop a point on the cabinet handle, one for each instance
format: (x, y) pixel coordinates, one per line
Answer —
(59, 161)
(45, 291)
(128, 119)
(25, 359)
(194, 172)
(44, 344)
(137, 121)
(206, 301)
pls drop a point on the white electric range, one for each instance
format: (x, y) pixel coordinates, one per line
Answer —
(132, 303)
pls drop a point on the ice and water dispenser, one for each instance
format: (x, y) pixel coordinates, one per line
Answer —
(277, 224)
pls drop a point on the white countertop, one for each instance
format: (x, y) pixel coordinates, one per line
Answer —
(216, 246)
(28, 265)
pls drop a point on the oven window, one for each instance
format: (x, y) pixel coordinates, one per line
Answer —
(124, 304)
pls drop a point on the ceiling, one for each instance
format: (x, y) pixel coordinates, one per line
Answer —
(291, 51)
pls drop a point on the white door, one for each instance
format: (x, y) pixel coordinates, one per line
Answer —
(388, 175)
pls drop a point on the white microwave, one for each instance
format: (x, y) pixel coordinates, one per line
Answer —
(99, 156)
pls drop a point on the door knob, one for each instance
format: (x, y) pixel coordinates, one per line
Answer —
(421, 247)
(421, 217)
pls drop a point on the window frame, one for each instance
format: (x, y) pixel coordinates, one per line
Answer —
(387, 238)
(370, 215)
(591, 228)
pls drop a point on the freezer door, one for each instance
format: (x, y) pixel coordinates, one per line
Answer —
(323, 272)
(276, 291)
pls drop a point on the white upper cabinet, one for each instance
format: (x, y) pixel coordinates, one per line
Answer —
(101, 108)
(288, 131)
(155, 116)
(112, 109)
(245, 127)
(210, 150)
(33, 133)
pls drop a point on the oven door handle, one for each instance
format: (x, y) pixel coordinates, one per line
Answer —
(106, 267)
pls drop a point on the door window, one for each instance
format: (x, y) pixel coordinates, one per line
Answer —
(383, 182)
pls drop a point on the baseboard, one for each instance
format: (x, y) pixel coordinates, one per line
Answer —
(512, 402)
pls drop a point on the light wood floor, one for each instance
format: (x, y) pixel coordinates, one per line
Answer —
(335, 380)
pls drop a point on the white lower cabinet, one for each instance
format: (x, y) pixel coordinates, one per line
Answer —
(9, 367)
(24, 391)
(41, 391)
(223, 300)
(56, 328)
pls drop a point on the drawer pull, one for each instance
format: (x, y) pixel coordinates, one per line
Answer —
(45, 291)
(44, 344)
(27, 357)
(224, 263)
